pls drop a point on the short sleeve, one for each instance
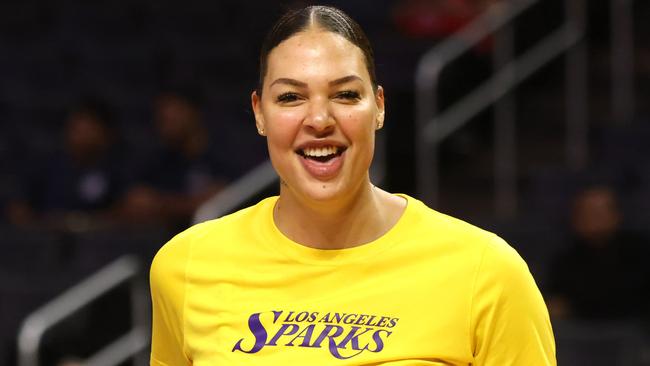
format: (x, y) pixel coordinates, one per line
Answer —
(509, 318)
(167, 277)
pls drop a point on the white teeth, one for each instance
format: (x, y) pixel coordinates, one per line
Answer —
(320, 151)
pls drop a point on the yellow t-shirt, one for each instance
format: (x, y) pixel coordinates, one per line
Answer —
(434, 290)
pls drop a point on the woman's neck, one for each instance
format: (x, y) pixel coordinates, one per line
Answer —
(348, 222)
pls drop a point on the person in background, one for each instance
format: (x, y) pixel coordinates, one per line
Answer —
(185, 169)
(603, 274)
(80, 181)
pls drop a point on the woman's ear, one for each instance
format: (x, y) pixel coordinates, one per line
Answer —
(256, 102)
(381, 110)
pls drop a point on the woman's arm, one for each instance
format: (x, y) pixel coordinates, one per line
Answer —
(510, 322)
(168, 279)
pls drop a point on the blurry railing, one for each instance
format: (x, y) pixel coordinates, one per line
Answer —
(123, 270)
(622, 57)
(238, 192)
(434, 126)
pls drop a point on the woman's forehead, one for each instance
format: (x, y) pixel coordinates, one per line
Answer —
(316, 51)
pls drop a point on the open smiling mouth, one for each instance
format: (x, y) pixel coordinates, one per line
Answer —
(321, 154)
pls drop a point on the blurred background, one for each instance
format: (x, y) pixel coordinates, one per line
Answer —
(123, 122)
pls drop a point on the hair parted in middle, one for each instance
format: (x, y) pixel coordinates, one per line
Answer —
(326, 17)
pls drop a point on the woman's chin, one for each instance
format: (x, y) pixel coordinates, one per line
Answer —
(330, 191)
(322, 191)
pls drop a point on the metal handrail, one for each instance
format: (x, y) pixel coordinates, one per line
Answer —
(238, 192)
(122, 349)
(622, 56)
(433, 126)
(125, 269)
(498, 86)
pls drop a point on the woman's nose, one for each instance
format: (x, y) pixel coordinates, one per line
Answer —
(319, 117)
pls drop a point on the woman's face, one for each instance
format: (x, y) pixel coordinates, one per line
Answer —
(319, 113)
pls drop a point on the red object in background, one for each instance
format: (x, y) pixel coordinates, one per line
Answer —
(433, 18)
(437, 18)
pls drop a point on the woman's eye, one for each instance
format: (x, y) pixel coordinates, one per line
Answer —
(287, 97)
(348, 95)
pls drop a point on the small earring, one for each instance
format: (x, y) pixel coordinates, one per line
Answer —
(260, 131)
(380, 124)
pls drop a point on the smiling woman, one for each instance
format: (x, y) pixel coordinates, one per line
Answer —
(319, 109)
(335, 269)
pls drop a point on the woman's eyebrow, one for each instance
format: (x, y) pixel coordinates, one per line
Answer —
(300, 84)
(345, 79)
(289, 81)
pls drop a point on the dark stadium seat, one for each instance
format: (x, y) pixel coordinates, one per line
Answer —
(34, 130)
(123, 71)
(536, 241)
(34, 267)
(34, 72)
(102, 19)
(30, 250)
(209, 61)
(96, 248)
(201, 18)
(20, 20)
(601, 344)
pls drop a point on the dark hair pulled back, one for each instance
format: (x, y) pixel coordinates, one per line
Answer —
(330, 19)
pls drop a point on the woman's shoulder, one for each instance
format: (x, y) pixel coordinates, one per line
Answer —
(491, 253)
(428, 222)
(212, 231)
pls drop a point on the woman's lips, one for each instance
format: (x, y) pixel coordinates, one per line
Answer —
(323, 170)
